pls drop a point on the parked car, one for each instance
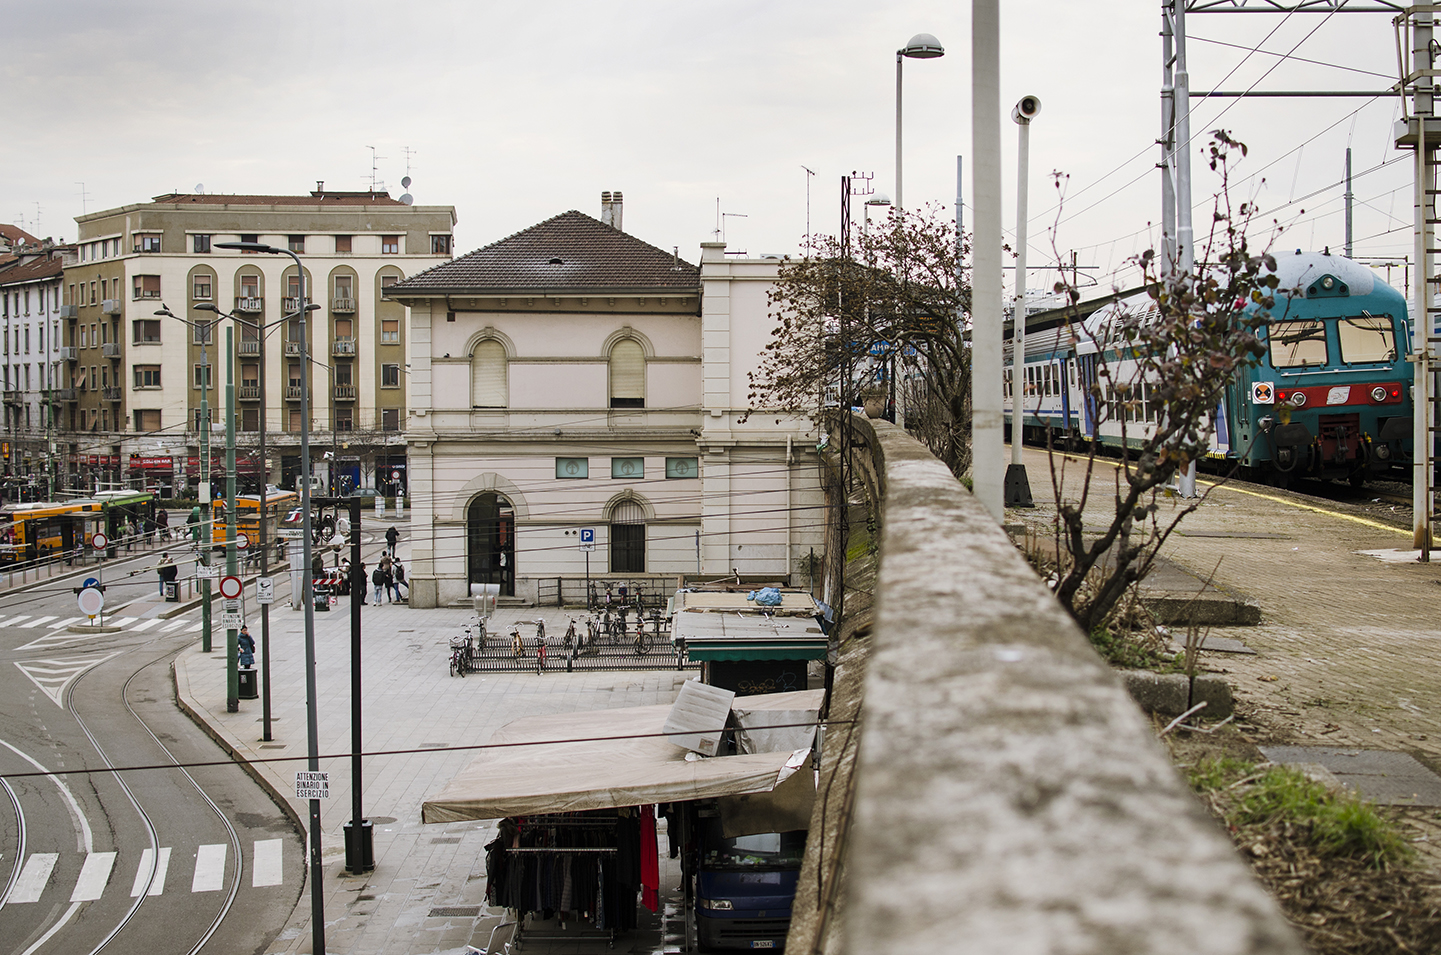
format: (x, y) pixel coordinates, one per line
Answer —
(365, 492)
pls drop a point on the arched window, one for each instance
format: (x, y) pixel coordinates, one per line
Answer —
(488, 375)
(627, 538)
(627, 374)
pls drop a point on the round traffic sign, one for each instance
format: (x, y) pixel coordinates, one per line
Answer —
(91, 582)
(231, 587)
(99, 541)
(242, 541)
(92, 601)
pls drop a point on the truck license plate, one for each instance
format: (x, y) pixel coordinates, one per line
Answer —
(763, 943)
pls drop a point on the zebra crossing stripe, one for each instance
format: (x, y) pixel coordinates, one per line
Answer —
(173, 624)
(266, 870)
(143, 877)
(123, 621)
(94, 874)
(146, 625)
(209, 868)
(40, 621)
(33, 878)
(59, 624)
(194, 627)
(16, 621)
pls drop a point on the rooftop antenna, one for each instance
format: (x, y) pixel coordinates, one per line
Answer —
(718, 232)
(730, 215)
(809, 174)
(38, 229)
(374, 166)
(406, 197)
(83, 196)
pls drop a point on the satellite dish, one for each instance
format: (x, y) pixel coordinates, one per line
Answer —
(200, 188)
(407, 199)
(405, 182)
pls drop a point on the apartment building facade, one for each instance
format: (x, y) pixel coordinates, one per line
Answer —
(135, 379)
(30, 307)
(578, 403)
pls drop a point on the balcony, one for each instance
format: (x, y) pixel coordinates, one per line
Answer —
(112, 393)
(69, 353)
(63, 394)
(344, 392)
(343, 346)
(292, 348)
(291, 304)
(110, 349)
(342, 305)
(249, 346)
(70, 311)
(112, 306)
(293, 392)
(248, 304)
(14, 396)
(248, 392)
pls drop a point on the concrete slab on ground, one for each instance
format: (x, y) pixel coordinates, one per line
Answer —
(1384, 777)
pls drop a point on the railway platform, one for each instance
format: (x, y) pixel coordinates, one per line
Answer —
(1347, 635)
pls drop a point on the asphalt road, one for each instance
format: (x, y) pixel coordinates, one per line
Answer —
(165, 860)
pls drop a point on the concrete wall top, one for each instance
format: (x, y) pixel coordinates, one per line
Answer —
(1010, 796)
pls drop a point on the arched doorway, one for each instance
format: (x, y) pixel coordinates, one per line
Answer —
(627, 538)
(490, 542)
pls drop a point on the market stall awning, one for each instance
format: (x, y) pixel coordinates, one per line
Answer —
(601, 759)
(748, 636)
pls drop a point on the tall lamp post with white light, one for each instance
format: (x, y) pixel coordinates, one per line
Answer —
(1017, 486)
(317, 904)
(922, 46)
(204, 440)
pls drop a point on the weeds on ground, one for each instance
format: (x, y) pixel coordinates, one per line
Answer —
(1341, 869)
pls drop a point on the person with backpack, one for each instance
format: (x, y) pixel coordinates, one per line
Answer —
(377, 577)
(400, 581)
(391, 537)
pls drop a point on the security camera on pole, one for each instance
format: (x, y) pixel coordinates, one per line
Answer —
(1017, 487)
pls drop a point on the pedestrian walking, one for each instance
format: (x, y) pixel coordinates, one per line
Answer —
(391, 537)
(400, 581)
(377, 577)
(246, 644)
(360, 581)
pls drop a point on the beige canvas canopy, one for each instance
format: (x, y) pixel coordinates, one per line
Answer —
(600, 759)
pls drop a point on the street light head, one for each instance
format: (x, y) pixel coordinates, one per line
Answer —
(207, 307)
(879, 199)
(923, 46)
(1027, 109)
(162, 310)
(250, 247)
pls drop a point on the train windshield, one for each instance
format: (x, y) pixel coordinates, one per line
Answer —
(1366, 338)
(1300, 344)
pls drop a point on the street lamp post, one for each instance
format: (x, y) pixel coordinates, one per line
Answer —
(1017, 486)
(205, 526)
(264, 542)
(317, 903)
(923, 46)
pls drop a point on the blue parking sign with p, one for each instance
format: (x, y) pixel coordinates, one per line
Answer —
(587, 535)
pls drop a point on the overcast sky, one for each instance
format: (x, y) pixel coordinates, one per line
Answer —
(514, 112)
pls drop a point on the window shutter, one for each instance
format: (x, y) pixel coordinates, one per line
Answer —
(627, 372)
(487, 371)
(627, 512)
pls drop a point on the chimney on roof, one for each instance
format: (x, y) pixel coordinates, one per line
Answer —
(320, 187)
(610, 209)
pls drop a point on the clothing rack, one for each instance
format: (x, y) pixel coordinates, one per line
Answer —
(610, 849)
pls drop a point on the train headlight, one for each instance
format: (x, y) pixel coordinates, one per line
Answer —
(1378, 394)
(1383, 452)
(1298, 398)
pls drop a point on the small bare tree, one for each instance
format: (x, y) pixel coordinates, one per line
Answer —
(1161, 367)
(882, 319)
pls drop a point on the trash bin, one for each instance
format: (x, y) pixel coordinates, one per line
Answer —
(249, 686)
(172, 591)
(322, 599)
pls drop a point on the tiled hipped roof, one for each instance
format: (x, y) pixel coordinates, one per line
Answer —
(31, 271)
(569, 252)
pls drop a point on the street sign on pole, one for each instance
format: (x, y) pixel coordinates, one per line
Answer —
(265, 590)
(230, 587)
(312, 785)
(91, 582)
(587, 538)
(231, 621)
(242, 541)
(91, 601)
(207, 571)
(99, 541)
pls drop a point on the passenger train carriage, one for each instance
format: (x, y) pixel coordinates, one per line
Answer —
(1331, 398)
